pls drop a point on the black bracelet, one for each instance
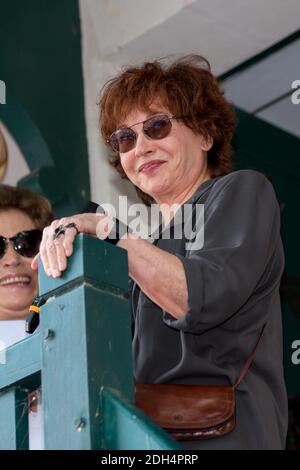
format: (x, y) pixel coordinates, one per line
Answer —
(117, 232)
(119, 229)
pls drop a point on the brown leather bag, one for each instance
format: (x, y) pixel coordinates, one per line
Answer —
(192, 412)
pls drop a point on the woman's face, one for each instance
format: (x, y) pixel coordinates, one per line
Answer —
(18, 282)
(169, 169)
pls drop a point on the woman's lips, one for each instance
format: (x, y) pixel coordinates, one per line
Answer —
(151, 166)
(16, 281)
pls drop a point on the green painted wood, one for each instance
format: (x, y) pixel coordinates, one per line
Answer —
(93, 261)
(86, 338)
(89, 346)
(14, 433)
(64, 373)
(26, 133)
(127, 428)
(46, 79)
(83, 346)
(258, 143)
(44, 177)
(22, 363)
(263, 147)
(45, 181)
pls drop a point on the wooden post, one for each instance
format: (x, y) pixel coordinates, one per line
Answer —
(83, 351)
(86, 343)
(14, 419)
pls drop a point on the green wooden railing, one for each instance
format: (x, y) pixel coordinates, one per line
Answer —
(81, 356)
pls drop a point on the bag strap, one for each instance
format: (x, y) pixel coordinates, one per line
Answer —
(249, 360)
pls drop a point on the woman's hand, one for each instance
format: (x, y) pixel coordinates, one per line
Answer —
(54, 252)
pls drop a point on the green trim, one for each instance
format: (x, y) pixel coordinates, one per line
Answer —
(261, 55)
(121, 432)
(14, 413)
(45, 77)
(266, 143)
(43, 178)
(263, 147)
(26, 133)
(23, 363)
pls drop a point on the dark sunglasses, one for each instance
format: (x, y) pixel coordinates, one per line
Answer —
(156, 127)
(25, 243)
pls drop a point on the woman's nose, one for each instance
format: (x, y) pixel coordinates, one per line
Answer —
(11, 257)
(143, 144)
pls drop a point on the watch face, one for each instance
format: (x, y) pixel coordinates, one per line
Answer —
(3, 157)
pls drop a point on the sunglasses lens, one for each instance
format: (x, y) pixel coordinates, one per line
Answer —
(123, 140)
(28, 243)
(2, 246)
(157, 127)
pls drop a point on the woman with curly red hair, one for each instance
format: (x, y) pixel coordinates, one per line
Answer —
(206, 312)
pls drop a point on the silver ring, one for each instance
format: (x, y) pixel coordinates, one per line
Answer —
(72, 225)
(60, 230)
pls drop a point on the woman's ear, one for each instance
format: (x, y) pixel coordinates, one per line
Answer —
(207, 143)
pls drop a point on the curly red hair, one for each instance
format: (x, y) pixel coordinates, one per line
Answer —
(185, 87)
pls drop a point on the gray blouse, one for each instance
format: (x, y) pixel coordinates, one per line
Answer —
(233, 289)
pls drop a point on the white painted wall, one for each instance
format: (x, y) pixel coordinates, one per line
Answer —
(106, 26)
(265, 88)
(17, 166)
(120, 32)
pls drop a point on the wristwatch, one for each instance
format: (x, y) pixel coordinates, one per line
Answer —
(118, 229)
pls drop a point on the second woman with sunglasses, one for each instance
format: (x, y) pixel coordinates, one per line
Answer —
(203, 315)
(23, 215)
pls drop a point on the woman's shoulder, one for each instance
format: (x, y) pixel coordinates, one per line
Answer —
(251, 176)
(242, 189)
(249, 181)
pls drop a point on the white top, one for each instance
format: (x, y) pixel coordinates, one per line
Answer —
(11, 332)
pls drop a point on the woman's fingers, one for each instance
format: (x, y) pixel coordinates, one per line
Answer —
(35, 262)
(69, 238)
(61, 257)
(55, 247)
(43, 249)
(48, 250)
(58, 239)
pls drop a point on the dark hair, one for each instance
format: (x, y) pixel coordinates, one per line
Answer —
(186, 87)
(37, 207)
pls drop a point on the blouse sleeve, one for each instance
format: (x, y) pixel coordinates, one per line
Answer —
(241, 232)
